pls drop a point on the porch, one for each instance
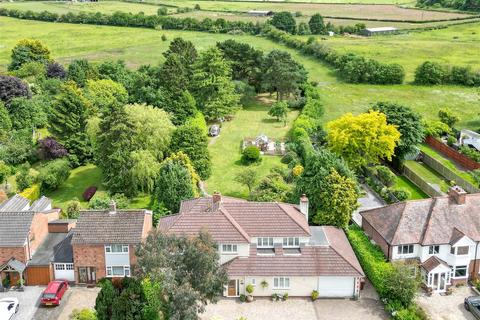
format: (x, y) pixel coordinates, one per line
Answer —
(11, 273)
(436, 274)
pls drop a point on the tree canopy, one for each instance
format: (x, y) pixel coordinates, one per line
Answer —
(363, 139)
(284, 21)
(316, 24)
(28, 50)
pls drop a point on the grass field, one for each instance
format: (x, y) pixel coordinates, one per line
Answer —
(457, 45)
(415, 192)
(144, 46)
(428, 174)
(225, 150)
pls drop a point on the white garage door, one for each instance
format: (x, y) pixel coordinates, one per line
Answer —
(336, 286)
(64, 271)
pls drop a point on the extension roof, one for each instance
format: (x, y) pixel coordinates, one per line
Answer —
(14, 228)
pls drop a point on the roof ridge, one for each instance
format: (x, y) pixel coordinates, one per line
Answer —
(234, 223)
(399, 220)
(429, 217)
(307, 230)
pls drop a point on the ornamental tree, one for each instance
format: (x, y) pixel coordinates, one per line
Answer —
(50, 149)
(28, 50)
(248, 178)
(363, 139)
(28, 113)
(80, 70)
(56, 70)
(279, 110)
(103, 93)
(408, 123)
(12, 87)
(448, 117)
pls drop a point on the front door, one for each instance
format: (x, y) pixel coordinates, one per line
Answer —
(86, 275)
(439, 282)
(232, 290)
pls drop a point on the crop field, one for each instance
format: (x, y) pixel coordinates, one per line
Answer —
(456, 45)
(144, 46)
(61, 7)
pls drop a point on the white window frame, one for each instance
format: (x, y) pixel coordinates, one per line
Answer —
(265, 242)
(291, 242)
(229, 248)
(109, 248)
(464, 254)
(109, 272)
(253, 282)
(454, 270)
(435, 249)
(281, 283)
(400, 249)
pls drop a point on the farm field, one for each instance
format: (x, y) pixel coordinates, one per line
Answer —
(70, 41)
(226, 149)
(456, 45)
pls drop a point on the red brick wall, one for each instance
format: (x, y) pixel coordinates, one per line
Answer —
(60, 227)
(464, 161)
(89, 256)
(375, 236)
(18, 253)
(38, 231)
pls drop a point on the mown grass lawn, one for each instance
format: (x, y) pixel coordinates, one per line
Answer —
(415, 192)
(225, 150)
(428, 174)
(447, 162)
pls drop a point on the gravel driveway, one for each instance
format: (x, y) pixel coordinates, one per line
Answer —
(367, 308)
(447, 307)
(28, 300)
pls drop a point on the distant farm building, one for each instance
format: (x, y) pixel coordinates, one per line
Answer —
(377, 31)
(260, 13)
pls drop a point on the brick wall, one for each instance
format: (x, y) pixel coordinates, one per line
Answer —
(133, 257)
(464, 161)
(38, 231)
(6, 253)
(375, 236)
(60, 227)
(89, 256)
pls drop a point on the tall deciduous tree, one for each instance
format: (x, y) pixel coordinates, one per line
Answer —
(316, 24)
(284, 21)
(181, 105)
(213, 88)
(28, 50)
(69, 121)
(102, 93)
(188, 269)
(363, 139)
(194, 143)
(338, 201)
(408, 123)
(28, 113)
(248, 178)
(279, 110)
(81, 70)
(282, 74)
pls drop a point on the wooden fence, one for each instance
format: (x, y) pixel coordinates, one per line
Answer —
(422, 184)
(461, 159)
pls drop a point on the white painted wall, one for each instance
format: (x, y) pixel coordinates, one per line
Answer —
(243, 250)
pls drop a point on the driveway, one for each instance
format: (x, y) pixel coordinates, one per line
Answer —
(447, 307)
(28, 301)
(74, 298)
(366, 308)
(369, 201)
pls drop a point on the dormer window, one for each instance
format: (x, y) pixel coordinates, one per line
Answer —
(291, 242)
(229, 248)
(265, 242)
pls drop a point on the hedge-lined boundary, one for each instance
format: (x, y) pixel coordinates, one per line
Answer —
(377, 268)
(434, 73)
(352, 67)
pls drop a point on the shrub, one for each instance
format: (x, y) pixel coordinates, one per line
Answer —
(385, 175)
(32, 193)
(250, 155)
(56, 70)
(243, 298)
(431, 73)
(162, 11)
(164, 37)
(73, 209)
(401, 194)
(83, 314)
(54, 173)
(12, 87)
(451, 140)
(476, 176)
(50, 149)
(25, 177)
(250, 288)
(314, 295)
(102, 201)
(89, 193)
(471, 153)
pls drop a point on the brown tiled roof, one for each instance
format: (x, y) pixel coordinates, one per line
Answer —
(427, 221)
(313, 261)
(103, 227)
(339, 242)
(433, 262)
(234, 220)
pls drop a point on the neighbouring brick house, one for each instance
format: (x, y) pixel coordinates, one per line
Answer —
(104, 242)
(442, 234)
(23, 229)
(271, 246)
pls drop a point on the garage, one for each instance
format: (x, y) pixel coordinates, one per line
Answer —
(336, 287)
(64, 271)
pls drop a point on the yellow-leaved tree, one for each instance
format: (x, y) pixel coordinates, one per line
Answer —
(363, 139)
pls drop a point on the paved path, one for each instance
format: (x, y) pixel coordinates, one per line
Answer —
(369, 201)
(442, 307)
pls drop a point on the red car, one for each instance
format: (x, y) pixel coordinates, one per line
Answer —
(54, 292)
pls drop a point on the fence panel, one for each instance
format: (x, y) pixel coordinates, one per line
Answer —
(422, 184)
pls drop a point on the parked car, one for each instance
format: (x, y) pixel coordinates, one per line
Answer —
(472, 304)
(214, 130)
(54, 292)
(8, 307)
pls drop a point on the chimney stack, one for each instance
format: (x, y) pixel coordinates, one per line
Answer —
(457, 194)
(112, 207)
(304, 205)
(217, 197)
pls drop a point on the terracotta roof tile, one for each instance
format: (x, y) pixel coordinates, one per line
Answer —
(433, 262)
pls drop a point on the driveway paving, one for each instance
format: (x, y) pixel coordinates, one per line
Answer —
(28, 300)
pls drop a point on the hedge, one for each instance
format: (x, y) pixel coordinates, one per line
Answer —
(376, 268)
(434, 73)
(32, 193)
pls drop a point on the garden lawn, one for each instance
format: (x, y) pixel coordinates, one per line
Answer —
(225, 150)
(428, 174)
(415, 192)
(447, 162)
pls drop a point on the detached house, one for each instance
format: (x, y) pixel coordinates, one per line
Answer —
(442, 234)
(104, 242)
(271, 246)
